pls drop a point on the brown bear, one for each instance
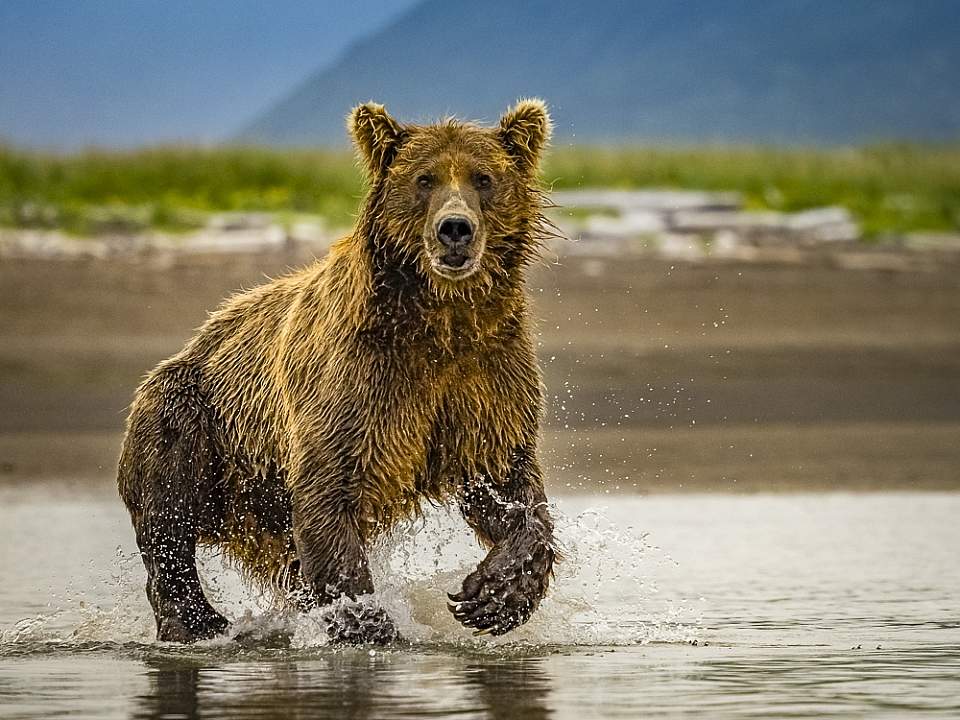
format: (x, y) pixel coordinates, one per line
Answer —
(307, 416)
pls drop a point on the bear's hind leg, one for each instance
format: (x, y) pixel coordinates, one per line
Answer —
(182, 612)
(168, 481)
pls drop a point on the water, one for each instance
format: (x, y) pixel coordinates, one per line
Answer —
(769, 605)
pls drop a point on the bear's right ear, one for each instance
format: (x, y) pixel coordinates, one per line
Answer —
(377, 136)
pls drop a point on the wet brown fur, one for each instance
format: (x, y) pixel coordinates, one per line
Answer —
(307, 416)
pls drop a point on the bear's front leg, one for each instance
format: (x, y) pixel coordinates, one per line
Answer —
(333, 561)
(507, 586)
(334, 567)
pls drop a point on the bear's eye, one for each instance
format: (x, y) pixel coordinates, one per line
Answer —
(484, 182)
(424, 182)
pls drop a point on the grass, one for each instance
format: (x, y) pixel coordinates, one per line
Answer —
(171, 188)
(891, 188)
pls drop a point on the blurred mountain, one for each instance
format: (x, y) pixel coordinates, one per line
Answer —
(794, 71)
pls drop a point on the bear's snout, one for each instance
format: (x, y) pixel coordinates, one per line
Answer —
(455, 233)
(455, 241)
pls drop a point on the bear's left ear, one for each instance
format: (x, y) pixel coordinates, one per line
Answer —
(377, 136)
(524, 131)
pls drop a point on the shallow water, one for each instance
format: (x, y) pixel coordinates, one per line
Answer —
(778, 605)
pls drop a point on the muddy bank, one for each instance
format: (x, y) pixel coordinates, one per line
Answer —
(838, 378)
(849, 457)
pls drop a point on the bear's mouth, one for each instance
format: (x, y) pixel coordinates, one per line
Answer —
(454, 261)
(454, 265)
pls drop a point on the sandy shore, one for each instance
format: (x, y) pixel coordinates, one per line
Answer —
(661, 376)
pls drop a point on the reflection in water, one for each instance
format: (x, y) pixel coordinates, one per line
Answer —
(516, 688)
(173, 692)
(811, 681)
(349, 684)
(323, 688)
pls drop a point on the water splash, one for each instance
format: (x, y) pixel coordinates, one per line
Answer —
(599, 595)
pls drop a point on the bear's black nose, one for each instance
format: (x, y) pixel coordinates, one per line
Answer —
(455, 232)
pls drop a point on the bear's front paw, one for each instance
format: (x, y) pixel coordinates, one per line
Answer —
(361, 622)
(502, 593)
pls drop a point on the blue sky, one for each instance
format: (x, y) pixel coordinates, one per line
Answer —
(129, 72)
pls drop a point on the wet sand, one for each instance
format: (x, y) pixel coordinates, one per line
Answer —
(662, 377)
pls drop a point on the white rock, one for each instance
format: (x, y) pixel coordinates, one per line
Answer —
(713, 220)
(726, 243)
(680, 247)
(631, 223)
(650, 200)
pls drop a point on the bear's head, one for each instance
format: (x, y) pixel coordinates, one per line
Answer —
(459, 201)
